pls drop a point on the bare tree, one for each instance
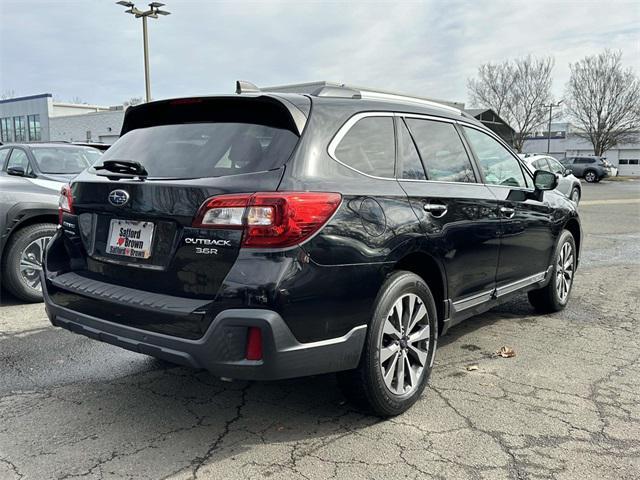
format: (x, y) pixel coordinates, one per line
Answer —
(6, 94)
(517, 91)
(133, 101)
(603, 100)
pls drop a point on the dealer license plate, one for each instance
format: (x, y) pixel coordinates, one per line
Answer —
(130, 238)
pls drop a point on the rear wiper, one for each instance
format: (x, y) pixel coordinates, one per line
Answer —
(126, 167)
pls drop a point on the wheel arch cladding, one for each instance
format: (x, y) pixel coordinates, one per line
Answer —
(427, 268)
(23, 222)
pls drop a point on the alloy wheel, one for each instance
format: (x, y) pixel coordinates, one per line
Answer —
(564, 271)
(404, 346)
(31, 262)
(590, 177)
(575, 195)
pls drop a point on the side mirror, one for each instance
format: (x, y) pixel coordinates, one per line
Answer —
(544, 180)
(17, 171)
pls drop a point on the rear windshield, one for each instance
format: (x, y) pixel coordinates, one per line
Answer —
(65, 160)
(193, 150)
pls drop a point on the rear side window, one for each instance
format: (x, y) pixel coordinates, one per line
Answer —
(65, 160)
(193, 150)
(369, 147)
(442, 151)
(409, 164)
(585, 160)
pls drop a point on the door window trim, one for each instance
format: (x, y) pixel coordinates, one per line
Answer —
(3, 167)
(344, 129)
(346, 126)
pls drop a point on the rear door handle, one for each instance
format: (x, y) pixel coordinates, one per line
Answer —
(507, 212)
(436, 210)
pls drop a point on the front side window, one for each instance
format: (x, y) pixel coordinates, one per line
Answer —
(33, 124)
(442, 151)
(19, 159)
(498, 165)
(409, 164)
(19, 129)
(369, 147)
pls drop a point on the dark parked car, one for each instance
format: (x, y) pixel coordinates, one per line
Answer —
(266, 236)
(31, 176)
(592, 169)
(97, 145)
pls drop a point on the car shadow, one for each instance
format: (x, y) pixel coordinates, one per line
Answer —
(518, 309)
(8, 300)
(186, 420)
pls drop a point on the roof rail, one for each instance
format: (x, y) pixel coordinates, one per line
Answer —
(403, 98)
(242, 86)
(337, 92)
(341, 91)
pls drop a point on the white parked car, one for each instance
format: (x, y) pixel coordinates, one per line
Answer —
(567, 182)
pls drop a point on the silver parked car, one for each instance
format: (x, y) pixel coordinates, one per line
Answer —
(567, 182)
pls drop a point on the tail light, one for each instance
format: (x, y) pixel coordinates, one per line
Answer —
(269, 220)
(65, 202)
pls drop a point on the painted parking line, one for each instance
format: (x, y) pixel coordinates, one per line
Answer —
(612, 201)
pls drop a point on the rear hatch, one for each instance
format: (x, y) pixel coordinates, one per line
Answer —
(135, 210)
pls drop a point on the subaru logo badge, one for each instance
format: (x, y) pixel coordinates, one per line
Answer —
(118, 198)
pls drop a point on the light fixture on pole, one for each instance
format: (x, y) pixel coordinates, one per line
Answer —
(153, 12)
(551, 106)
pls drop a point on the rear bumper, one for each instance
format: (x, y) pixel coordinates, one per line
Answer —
(222, 349)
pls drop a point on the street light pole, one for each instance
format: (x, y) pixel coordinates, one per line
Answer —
(551, 107)
(147, 78)
(153, 12)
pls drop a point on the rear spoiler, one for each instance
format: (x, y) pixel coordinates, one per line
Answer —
(263, 108)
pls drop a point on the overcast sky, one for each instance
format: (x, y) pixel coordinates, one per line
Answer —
(90, 49)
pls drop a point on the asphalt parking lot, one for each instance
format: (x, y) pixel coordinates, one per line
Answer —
(566, 406)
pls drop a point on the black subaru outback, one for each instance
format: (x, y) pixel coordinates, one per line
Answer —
(266, 236)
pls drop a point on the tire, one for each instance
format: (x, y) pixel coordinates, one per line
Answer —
(575, 194)
(26, 247)
(554, 296)
(366, 385)
(591, 177)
